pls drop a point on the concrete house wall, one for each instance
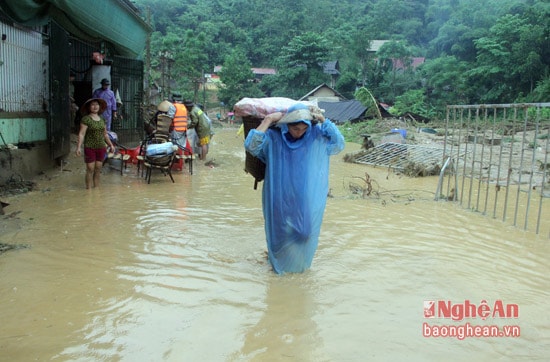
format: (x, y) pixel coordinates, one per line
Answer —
(24, 93)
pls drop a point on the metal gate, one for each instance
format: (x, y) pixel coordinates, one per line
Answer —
(497, 162)
(127, 79)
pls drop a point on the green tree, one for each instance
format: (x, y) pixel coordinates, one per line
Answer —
(509, 60)
(193, 62)
(366, 98)
(445, 81)
(301, 64)
(540, 93)
(467, 20)
(499, 46)
(166, 49)
(395, 61)
(390, 17)
(360, 45)
(237, 79)
(413, 101)
(347, 84)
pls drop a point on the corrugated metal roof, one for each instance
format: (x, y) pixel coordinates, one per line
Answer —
(331, 67)
(340, 112)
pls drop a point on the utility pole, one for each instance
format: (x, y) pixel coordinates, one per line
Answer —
(162, 75)
(170, 60)
(166, 60)
(147, 91)
(203, 89)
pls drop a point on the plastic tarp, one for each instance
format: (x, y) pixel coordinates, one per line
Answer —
(295, 190)
(112, 20)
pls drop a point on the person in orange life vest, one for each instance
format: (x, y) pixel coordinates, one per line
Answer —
(199, 122)
(179, 126)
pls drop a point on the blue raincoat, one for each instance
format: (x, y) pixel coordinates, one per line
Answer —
(295, 190)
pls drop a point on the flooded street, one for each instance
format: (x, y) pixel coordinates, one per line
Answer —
(177, 272)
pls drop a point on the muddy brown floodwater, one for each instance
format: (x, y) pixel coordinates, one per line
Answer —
(177, 272)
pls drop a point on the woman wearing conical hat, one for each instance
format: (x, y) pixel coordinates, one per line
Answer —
(93, 135)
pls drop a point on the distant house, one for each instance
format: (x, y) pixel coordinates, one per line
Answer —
(335, 106)
(212, 82)
(375, 45)
(333, 68)
(339, 109)
(323, 93)
(259, 73)
(398, 65)
(415, 62)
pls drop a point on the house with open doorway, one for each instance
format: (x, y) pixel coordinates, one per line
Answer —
(54, 53)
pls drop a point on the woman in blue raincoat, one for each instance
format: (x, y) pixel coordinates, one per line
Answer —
(296, 152)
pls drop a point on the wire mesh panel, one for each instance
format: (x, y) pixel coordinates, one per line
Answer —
(399, 156)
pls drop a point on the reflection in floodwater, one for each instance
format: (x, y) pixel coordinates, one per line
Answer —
(177, 272)
(286, 328)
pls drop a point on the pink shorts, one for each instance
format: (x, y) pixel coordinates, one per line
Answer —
(94, 154)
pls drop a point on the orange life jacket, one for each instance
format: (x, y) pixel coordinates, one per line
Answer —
(180, 118)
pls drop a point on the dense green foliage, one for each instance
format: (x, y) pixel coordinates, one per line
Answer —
(476, 51)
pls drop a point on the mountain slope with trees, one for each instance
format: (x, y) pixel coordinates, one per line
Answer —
(489, 51)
